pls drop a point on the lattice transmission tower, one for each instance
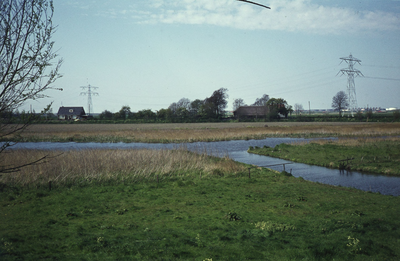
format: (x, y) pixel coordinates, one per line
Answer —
(89, 93)
(351, 86)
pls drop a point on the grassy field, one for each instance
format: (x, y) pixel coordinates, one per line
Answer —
(371, 155)
(192, 132)
(223, 215)
(178, 205)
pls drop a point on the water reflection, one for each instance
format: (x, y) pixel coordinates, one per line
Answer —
(237, 150)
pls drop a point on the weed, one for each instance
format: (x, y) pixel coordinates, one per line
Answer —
(288, 205)
(353, 245)
(357, 213)
(232, 216)
(8, 246)
(273, 227)
(301, 198)
(121, 211)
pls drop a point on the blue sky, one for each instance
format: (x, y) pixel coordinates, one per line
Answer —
(150, 53)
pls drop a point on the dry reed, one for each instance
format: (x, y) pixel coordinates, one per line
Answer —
(199, 132)
(91, 166)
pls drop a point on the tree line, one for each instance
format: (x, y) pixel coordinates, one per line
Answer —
(209, 109)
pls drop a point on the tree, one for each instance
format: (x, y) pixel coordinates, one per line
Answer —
(173, 107)
(26, 58)
(184, 103)
(278, 106)
(164, 115)
(340, 102)
(146, 115)
(216, 104)
(125, 112)
(261, 101)
(237, 103)
(106, 115)
(181, 109)
(298, 108)
(196, 106)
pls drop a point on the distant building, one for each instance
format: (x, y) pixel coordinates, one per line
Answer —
(71, 113)
(251, 111)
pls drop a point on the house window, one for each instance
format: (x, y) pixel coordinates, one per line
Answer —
(71, 110)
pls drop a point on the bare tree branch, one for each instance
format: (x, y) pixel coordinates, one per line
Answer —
(26, 63)
(254, 3)
(7, 169)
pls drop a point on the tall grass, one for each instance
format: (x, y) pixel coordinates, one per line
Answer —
(197, 132)
(102, 166)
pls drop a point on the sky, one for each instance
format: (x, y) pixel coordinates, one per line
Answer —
(147, 54)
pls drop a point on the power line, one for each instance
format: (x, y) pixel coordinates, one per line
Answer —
(382, 66)
(89, 93)
(382, 78)
(351, 87)
(254, 3)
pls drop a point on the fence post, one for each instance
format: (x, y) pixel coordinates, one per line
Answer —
(249, 172)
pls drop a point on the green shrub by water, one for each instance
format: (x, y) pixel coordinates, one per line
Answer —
(271, 216)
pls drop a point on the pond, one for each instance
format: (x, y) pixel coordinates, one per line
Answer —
(237, 150)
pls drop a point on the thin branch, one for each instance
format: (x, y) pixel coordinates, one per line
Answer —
(38, 161)
(254, 3)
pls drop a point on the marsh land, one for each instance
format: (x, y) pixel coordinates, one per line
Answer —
(114, 204)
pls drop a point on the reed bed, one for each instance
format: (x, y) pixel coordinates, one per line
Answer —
(176, 133)
(101, 166)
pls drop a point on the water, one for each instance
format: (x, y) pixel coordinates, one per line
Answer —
(237, 150)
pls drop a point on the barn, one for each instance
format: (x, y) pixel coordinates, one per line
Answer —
(251, 112)
(71, 113)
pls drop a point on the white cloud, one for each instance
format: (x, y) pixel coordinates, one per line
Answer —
(285, 15)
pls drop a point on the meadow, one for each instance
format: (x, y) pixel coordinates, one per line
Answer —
(193, 132)
(369, 155)
(195, 211)
(178, 205)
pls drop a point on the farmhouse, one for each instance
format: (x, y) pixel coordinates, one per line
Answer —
(251, 111)
(71, 113)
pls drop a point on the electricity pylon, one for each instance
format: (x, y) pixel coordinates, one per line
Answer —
(351, 87)
(89, 93)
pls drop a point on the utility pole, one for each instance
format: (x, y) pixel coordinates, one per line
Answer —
(89, 93)
(351, 87)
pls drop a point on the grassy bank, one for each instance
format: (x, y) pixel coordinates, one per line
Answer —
(192, 132)
(373, 155)
(224, 216)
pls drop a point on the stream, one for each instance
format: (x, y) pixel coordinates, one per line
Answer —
(237, 150)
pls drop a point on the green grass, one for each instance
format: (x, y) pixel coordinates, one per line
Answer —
(377, 156)
(271, 216)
